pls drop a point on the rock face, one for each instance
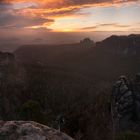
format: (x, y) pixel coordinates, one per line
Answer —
(27, 130)
(122, 45)
(122, 104)
(125, 105)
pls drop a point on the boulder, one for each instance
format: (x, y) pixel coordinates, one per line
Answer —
(28, 130)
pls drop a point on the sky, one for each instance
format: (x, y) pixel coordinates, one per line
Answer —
(58, 21)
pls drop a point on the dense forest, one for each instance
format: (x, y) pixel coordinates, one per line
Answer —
(67, 85)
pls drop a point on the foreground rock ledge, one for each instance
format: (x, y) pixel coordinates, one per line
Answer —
(28, 130)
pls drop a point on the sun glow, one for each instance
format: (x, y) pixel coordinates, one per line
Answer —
(64, 30)
(71, 16)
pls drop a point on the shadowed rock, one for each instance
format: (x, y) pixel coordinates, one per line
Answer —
(125, 105)
(28, 130)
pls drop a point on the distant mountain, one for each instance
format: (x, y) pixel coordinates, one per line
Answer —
(51, 54)
(111, 57)
(122, 44)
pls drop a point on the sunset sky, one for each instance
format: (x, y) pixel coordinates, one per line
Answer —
(54, 17)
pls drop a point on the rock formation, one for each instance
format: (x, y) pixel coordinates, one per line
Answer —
(87, 42)
(6, 58)
(122, 45)
(27, 130)
(125, 105)
(122, 104)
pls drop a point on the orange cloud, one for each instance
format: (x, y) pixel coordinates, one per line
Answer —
(51, 9)
(57, 4)
(61, 8)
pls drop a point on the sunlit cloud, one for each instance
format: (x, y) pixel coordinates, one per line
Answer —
(9, 19)
(62, 15)
(24, 5)
(68, 3)
(107, 27)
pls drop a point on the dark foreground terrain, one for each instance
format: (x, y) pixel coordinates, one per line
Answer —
(67, 87)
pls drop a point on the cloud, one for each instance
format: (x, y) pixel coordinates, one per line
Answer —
(10, 18)
(36, 13)
(60, 6)
(107, 25)
(67, 3)
(113, 24)
(89, 28)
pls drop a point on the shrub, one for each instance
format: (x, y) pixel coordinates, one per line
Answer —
(31, 110)
(129, 136)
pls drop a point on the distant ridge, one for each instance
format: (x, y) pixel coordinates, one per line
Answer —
(108, 58)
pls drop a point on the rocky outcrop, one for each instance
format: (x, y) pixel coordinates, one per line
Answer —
(125, 105)
(6, 58)
(122, 45)
(87, 42)
(122, 105)
(28, 130)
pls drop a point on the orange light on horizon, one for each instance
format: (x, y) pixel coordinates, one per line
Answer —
(66, 16)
